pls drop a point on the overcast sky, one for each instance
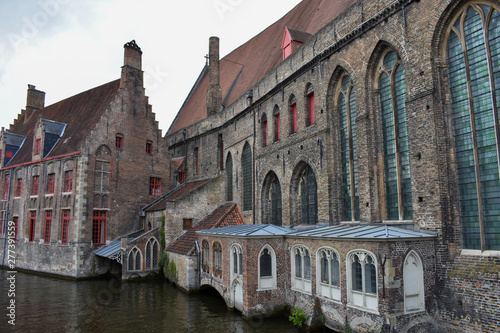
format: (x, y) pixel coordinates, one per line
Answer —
(65, 47)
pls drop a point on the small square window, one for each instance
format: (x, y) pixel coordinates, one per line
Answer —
(187, 224)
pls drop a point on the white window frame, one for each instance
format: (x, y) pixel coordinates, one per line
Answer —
(134, 252)
(301, 283)
(236, 248)
(328, 290)
(361, 299)
(413, 281)
(267, 282)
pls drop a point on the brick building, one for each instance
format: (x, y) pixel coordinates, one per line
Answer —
(357, 114)
(75, 174)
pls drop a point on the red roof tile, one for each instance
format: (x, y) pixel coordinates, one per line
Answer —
(80, 113)
(226, 215)
(178, 192)
(251, 62)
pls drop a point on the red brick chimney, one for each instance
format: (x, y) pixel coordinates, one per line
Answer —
(133, 55)
(35, 100)
(214, 92)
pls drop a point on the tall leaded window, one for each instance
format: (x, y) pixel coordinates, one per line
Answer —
(277, 123)
(218, 260)
(246, 161)
(48, 224)
(474, 70)
(263, 125)
(311, 113)
(328, 273)
(34, 185)
(152, 250)
(392, 89)
(134, 260)
(308, 195)
(68, 181)
(301, 268)
(276, 202)
(267, 268)
(347, 114)
(236, 260)
(271, 200)
(65, 226)
(220, 151)
(229, 177)
(31, 234)
(293, 114)
(205, 256)
(362, 280)
(51, 177)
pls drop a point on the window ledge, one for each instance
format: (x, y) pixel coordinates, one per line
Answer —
(307, 292)
(333, 300)
(267, 289)
(352, 306)
(480, 253)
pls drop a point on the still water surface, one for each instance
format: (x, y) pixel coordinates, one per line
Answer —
(45, 304)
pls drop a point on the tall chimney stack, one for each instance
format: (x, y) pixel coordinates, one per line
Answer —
(133, 55)
(214, 92)
(35, 100)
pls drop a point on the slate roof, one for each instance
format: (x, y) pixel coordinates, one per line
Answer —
(249, 230)
(251, 62)
(79, 113)
(228, 214)
(363, 231)
(177, 193)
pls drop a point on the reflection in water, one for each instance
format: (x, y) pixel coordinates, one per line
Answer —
(46, 304)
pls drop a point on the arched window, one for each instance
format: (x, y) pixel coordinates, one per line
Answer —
(392, 89)
(301, 268)
(236, 261)
(413, 280)
(246, 162)
(328, 273)
(271, 200)
(277, 123)
(263, 128)
(205, 257)
(362, 280)
(267, 268)
(134, 260)
(474, 72)
(220, 151)
(346, 104)
(308, 196)
(218, 260)
(229, 177)
(152, 250)
(311, 114)
(293, 114)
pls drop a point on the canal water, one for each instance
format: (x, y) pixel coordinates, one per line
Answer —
(46, 304)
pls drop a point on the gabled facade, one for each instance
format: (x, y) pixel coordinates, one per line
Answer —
(76, 173)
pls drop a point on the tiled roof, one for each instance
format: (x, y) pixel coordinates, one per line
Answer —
(80, 113)
(228, 214)
(251, 62)
(178, 192)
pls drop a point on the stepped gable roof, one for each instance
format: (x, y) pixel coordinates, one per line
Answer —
(178, 192)
(80, 113)
(241, 69)
(226, 215)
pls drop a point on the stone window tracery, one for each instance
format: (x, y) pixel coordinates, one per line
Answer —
(328, 273)
(301, 268)
(362, 280)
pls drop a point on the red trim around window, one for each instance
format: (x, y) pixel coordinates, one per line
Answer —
(48, 223)
(149, 147)
(34, 186)
(38, 144)
(99, 227)
(19, 187)
(31, 235)
(294, 118)
(154, 186)
(182, 176)
(68, 181)
(50, 183)
(6, 180)
(119, 142)
(65, 227)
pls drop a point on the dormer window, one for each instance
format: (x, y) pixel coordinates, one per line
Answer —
(293, 39)
(38, 144)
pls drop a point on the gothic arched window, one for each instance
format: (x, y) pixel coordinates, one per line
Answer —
(246, 162)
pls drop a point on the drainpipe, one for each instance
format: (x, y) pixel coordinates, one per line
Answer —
(199, 271)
